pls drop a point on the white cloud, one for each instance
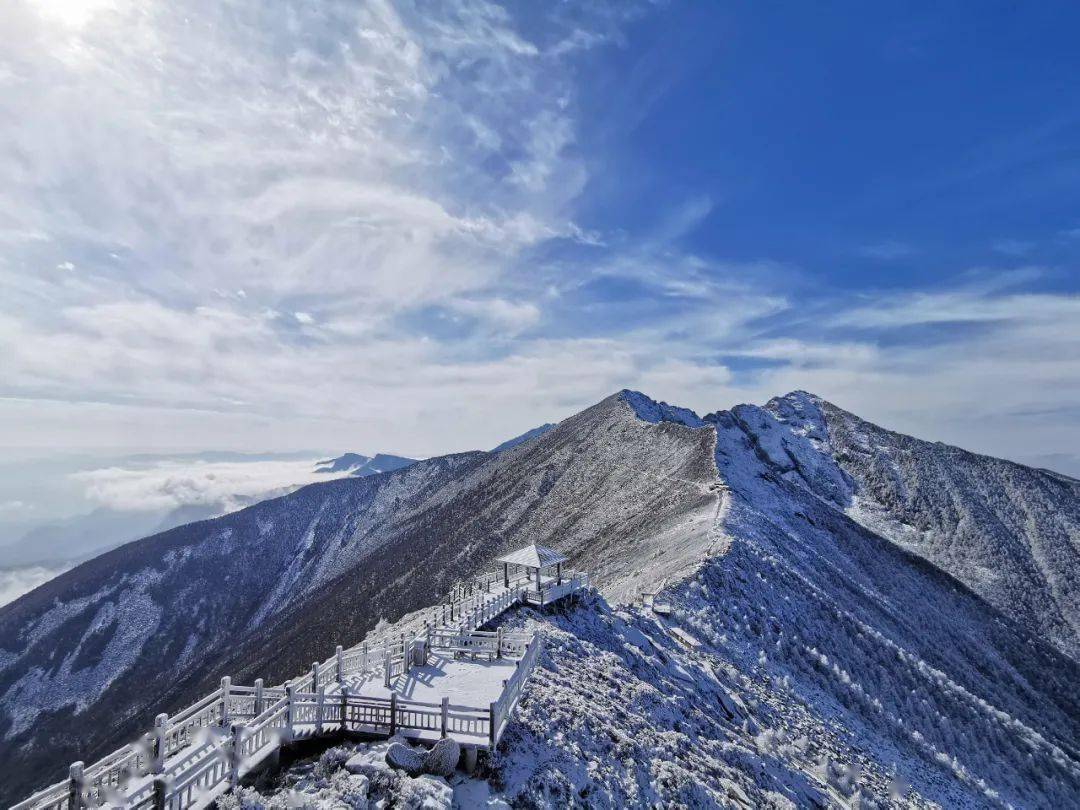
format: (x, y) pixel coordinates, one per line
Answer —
(962, 306)
(14, 582)
(209, 168)
(506, 317)
(167, 485)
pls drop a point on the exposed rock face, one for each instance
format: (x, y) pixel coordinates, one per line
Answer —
(443, 758)
(406, 758)
(440, 760)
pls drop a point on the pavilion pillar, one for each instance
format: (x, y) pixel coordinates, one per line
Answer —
(506, 575)
(538, 580)
(558, 572)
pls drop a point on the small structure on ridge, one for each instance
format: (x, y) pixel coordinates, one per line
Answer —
(534, 559)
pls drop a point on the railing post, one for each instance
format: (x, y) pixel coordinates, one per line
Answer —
(339, 654)
(404, 656)
(290, 710)
(226, 685)
(491, 725)
(444, 711)
(393, 713)
(76, 786)
(344, 708)
(386, 676)
(162, 789)
(161, 728)
(260, 700)
(498, 645)
(236, 754)
(320, 709)
(314, 676)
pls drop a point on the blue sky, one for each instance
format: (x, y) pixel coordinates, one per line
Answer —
(422, 228)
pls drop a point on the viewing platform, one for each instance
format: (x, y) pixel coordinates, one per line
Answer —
(449, 680)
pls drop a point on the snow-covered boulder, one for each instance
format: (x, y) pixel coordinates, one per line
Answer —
(425, 793)
(442, 759)
(401, 756)
(354, 790)
(359, 763)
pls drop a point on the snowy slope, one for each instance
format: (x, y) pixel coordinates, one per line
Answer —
(800, 695)
(833, 663)
(1009, 532)
(783, 704)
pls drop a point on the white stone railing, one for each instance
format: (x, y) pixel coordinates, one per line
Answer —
(572, 582)
(188, 759)
(501, 708)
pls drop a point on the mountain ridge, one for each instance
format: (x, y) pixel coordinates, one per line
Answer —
(636, 491)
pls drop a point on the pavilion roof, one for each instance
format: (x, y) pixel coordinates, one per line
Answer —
(533, 556)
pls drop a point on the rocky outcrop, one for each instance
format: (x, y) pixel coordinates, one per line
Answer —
(441, 760)
(405, 758)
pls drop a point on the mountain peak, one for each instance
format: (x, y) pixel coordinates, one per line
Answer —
(649, 410)
(343, 463)
(799, 399)
(802, 412)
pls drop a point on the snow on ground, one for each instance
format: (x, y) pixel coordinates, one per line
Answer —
(356, 776)
(466, 682)
(108, 647)
(745, 697)
(623, 715)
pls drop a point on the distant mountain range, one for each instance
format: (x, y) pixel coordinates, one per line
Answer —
(49, 548)
(358, 465)
(872, 610)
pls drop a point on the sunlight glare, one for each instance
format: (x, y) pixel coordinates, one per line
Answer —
(71, 13)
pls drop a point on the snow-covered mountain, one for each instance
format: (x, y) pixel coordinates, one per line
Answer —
(835, 650)
(358, 465)
(1008, 532)
(149, 495)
